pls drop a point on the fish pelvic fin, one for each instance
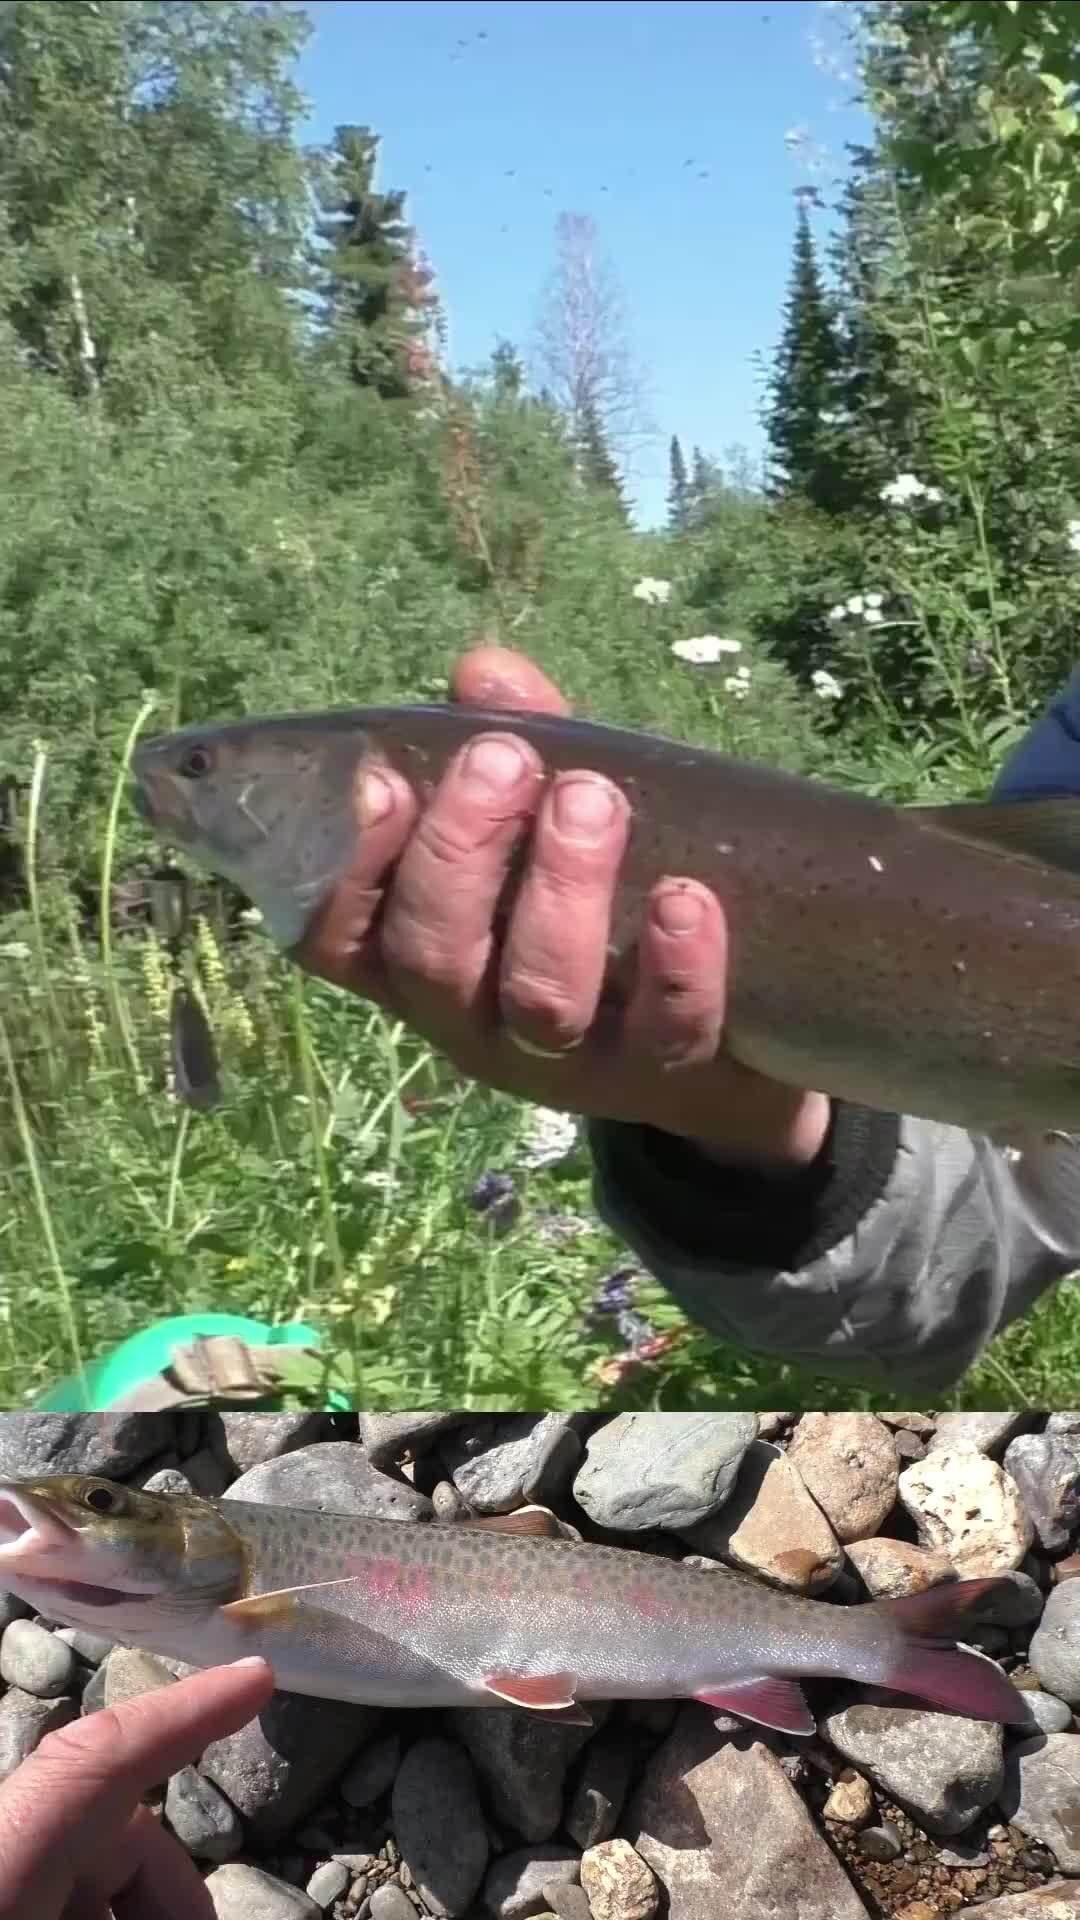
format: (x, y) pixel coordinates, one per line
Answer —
(1043, 829)
(770, 1699)
(548, 1695)
(925, 1661)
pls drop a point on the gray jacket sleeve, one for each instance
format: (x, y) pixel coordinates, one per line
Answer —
(902, 1251)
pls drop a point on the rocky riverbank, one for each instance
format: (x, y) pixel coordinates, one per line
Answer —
(893, 1810)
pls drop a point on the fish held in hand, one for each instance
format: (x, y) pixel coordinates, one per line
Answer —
(917, 960)
(398, 1614)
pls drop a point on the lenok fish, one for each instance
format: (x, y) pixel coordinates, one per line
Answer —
(916, 960)
(456, 1614)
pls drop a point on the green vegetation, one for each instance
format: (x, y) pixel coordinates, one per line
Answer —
(238, 476)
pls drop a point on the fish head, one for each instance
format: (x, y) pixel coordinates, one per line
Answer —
(92, 1553)
(267, 805)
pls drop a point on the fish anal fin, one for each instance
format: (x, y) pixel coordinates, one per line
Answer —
(526, 1520)
(765, 1697)
(1044, 829)
(550, 1695)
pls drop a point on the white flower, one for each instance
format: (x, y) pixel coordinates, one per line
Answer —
(839, 612)
(873, 616)
(549, 1137)
(856, 603)
(825, 684)
(874, 599)
(1074, 535)
(738, 683)
(251, 916)
(905, 489)
(705, 649)
(655, 593)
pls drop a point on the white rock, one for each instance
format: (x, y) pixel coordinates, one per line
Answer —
(966, 1506)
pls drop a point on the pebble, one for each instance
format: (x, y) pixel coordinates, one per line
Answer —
(617, 1882)
(245, 1440)
(1063, 1422)
(988, 1433)
(944, 1768)
(849, 1463)
(247, 1893)
(391, 1902)
(1042, 1795)
(1055, 1644)
(850, 1800)
(1058, 1900)
(890, 1568)
(171, 1481)
(372, 1774)
(333, 1476)
(91, 1648)
(201, 1817)
(597, 1800)
(279, 1767)
(670, 1470)
(387, 1437)
(129, 1673)
(724, 1831)
(523, 1763)
(33, 1445)
(880, 1843)
(528, 1457)
(514, 1888)
(439, 1826)
(771, 1526)
(1046, 1468)
(966, 1506)
(328, 1883)
(24, 1722)
(34, 1659)
(1050, 1714)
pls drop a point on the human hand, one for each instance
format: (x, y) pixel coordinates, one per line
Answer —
(75, 1841)
(413, 927)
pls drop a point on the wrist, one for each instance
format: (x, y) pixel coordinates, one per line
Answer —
(785, 1132)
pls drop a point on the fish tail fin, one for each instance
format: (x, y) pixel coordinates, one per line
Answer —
(923, 1658)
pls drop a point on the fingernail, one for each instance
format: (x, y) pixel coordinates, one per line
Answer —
(584, 808)
(249, 1660)
(376, 799)
(495, 763)
(679, 912)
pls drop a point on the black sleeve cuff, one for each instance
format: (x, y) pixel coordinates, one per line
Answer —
(703, 1210)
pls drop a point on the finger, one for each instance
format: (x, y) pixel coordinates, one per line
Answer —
(676, 1015)
(501, 677)
(66, 1800)
(437, 933)
(339, 944)
(556, 949)
(153, 1878)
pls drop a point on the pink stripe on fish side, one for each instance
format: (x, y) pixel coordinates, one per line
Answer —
(385, 1579)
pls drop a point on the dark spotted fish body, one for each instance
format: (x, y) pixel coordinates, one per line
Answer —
(922, 961)
(405, 1614)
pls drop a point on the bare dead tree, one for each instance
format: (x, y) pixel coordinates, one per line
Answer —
(583, 354)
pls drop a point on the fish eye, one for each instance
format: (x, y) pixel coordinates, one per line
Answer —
(102, 1500)
(196, 762)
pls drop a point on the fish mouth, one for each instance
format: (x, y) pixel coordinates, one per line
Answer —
(37, 1548)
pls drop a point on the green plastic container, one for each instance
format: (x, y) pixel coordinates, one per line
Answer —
(150, 1352)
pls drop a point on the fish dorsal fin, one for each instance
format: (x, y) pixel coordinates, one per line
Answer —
(1044, 830)
(765, 1697)
(526, 1520)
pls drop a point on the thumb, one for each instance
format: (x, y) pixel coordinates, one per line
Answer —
(68, 1802)
(501, 677)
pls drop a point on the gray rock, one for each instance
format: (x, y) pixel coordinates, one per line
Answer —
(880, 1843)
(523, 1763)
(388, 1437)
(985, 1432)
(724, 1831)
(567, 1900)
(328, 1883)
(1057, 1900)
(12, 1608)
(1063, 1422)
(1042, 1795)
(669, 1470)
(245, 1440)
(943, 1768)
(280, 1766)
(201, 1817)
(1055, 1644)
(514, 1888)
(93, 1694)
(527, 1457)
(333, 1476)
(111, 1444)
(129, 1673)
(439, 1826)
(1046, 1468)
(86, 1646)
(171, 1481)
(1016, 1601)
(371, 1775)
(391, 1902)
(597, 1801)
(24, 1722)
(1050, 1714)
(247, 1893)
(207, 1473)
(849, 1462)
(34, 1659)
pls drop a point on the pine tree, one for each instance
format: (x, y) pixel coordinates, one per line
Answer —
(805, 385)
(702, 487)
(678, 500)
(376, 300)
(507, 371)
(595, 462)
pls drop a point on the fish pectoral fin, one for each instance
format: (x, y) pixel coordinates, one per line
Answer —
(1045, 829)
(278, 1606)
(549, 1695)
(527, 1520)
(766, 1698)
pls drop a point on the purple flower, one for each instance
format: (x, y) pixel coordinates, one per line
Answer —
(494, 1198)
(634, 1329)
(615, 1295)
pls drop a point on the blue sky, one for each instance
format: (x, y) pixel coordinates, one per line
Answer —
(497, 115)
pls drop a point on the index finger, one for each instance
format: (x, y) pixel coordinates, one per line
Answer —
(66, 1801)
